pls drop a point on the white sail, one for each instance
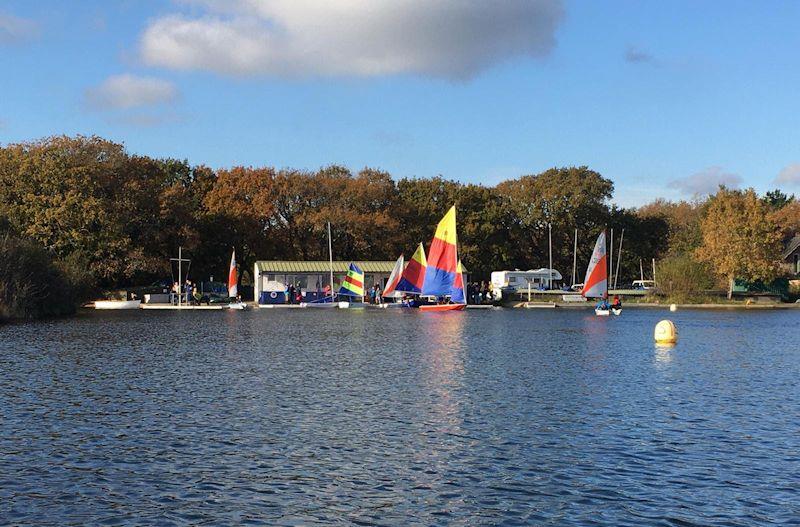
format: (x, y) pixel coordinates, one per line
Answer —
(233, 287)
(596, 281)
(394, 278)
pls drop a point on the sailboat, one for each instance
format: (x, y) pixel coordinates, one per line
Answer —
(443, 272)
(595, 285)
(233, 285)
(352, 286)
(328, 301)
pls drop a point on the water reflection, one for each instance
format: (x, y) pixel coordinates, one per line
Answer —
(295, 417)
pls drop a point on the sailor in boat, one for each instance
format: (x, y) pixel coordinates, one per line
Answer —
(603, 305)
(617, 303)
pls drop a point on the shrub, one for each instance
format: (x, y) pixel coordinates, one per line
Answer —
(32, 285)
(682, 278)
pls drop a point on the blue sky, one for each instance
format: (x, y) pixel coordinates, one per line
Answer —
(667, 99)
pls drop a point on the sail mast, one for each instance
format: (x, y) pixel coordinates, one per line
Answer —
(575, 257)
(330, 258)
(619, 257)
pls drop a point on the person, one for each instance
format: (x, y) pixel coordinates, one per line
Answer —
(291, 293)
(378, 298)
(198, 297)
(617, 304)
(603, 304)
(188, 291)
(371, 295)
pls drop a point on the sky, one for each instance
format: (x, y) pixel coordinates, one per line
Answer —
(666, 99)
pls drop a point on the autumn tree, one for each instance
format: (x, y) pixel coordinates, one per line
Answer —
(740, 240)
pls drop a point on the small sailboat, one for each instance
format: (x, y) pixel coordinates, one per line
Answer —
(233, 286)
(352, 286)
(409, 281)
(443, 273)
(596, 281)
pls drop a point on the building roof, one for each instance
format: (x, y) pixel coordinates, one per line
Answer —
(320, 266)
(323, 266)
(792, 246)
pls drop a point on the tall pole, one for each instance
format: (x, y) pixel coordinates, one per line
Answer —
(575, 257)
(641, 271)
(611, 259)
(654, 272)
(619, 257)
(330, 257)
(180, 276)
(550, 245)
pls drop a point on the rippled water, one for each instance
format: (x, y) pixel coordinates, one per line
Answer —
(369, 417)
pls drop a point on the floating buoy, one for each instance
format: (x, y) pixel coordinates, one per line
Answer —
(673, 308)
(666, 333)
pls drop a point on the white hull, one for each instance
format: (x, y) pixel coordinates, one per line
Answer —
(240, 306)
(117, 304)
(328, 305)
(607, 312)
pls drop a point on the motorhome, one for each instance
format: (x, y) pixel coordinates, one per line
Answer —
(520, 281)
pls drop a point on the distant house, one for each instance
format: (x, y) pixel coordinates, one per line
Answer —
(791, 255)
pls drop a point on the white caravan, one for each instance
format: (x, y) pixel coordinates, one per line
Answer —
(518, 281)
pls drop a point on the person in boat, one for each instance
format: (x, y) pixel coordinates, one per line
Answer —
(617, 303)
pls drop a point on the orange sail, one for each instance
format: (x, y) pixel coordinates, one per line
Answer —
(595, 285)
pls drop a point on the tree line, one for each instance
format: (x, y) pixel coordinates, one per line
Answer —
(118, 217)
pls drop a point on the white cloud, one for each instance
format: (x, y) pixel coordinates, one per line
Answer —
(789, 175)
(453, 39)
(16, 29)
(706, 181)
(121, 92)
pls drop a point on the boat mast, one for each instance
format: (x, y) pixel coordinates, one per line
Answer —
(550, 248)
(610, 263)
(641, 271)
(619, 257)
(575, 257)
(330, 257)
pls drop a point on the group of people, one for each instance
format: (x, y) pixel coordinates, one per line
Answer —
(188, 293)
(480, 293)
(616, 303)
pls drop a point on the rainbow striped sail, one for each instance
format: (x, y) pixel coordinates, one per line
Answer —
(353, 284)
(414, 275)
(440, 275)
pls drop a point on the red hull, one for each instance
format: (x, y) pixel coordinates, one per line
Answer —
(443, 307)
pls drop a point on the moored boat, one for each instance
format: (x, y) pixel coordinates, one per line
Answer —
(117, 304)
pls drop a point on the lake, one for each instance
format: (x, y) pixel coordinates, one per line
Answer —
(370, 417)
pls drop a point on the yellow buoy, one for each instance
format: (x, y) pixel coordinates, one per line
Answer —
(673, 308)
(666, 333)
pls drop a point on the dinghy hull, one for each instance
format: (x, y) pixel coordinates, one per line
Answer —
(443, 307)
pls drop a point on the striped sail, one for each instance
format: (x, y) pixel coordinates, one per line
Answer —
(353, 284)
(595, 285)
(441, 272)
(414, 275)
(394, 278)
